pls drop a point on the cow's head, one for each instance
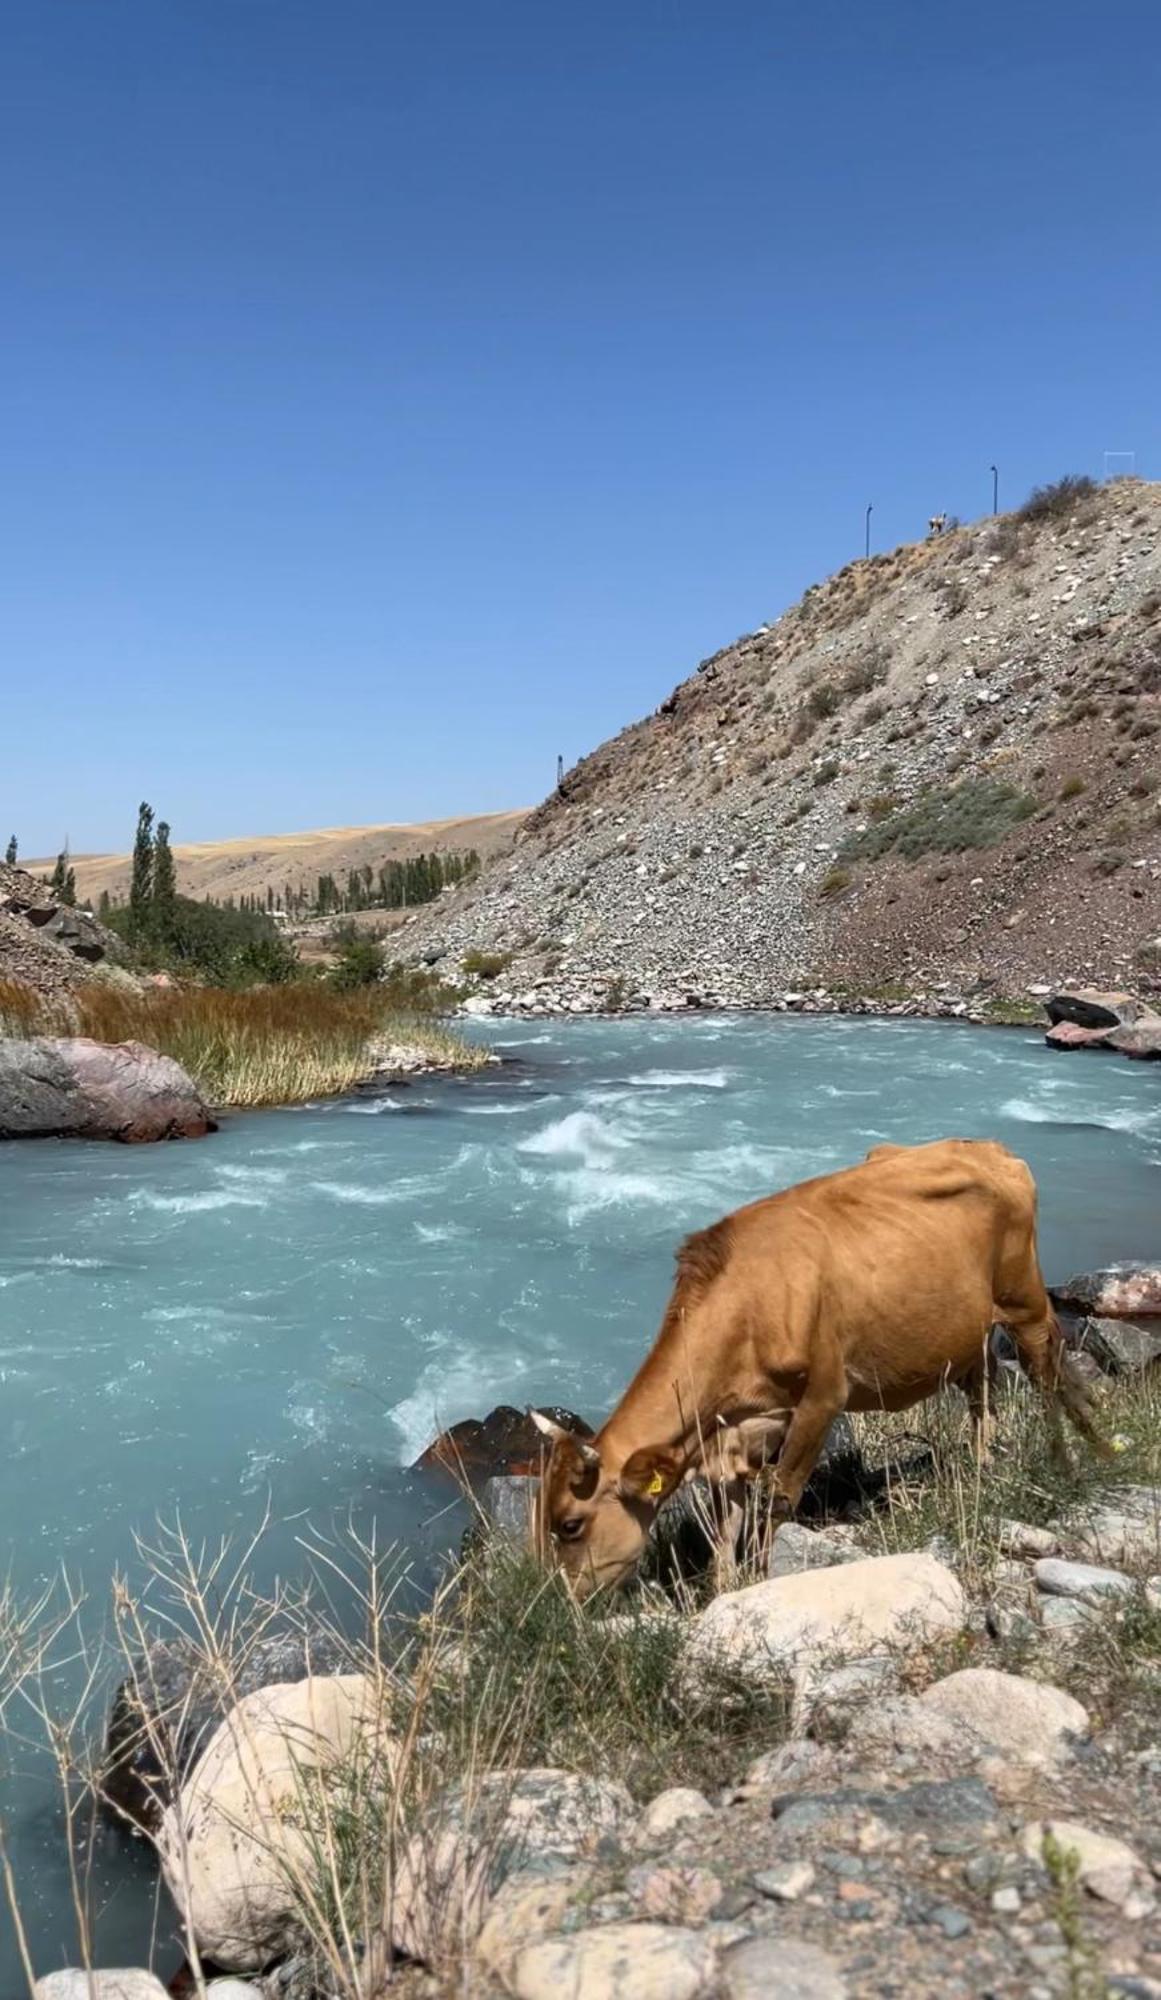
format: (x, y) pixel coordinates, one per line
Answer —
(594, 1524)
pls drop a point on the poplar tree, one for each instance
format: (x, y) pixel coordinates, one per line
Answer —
(141, 884)
(10, 852)
(164, 886)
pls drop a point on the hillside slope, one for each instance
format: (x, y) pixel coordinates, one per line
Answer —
(252, 865)
(987, 704)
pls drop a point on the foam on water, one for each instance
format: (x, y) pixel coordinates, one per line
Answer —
(361, 1197)
(196, 1204)
(682, 1079)
(578, 1132)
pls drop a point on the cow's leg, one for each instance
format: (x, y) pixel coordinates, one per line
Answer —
(1026, 1311)
(729, 1513)
(978, 1386)
(823, 1396)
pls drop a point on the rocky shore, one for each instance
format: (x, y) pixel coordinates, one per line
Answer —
(950, 1703)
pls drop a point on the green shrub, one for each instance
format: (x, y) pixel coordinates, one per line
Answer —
(826, 773)
(360, 962)
(822, 701)
(834, 882)
(976, 813)
(1072, 788)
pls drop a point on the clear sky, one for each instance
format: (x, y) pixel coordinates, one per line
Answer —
(395, 395)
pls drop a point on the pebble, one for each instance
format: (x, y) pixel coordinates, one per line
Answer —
(672, 1809)
(787, 1968)
(787, 1882)
(952, 1922)
(1006, 1902)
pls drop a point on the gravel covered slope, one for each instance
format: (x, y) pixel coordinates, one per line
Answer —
(703, 852)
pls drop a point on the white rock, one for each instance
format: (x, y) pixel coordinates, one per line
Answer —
(631, 1961)
(76, 1984)
(232, 1843)
(781, 1968)
(673, 1809)
(829, 1699)
(1006, 1902)
(1020, 1538)
(1029, 1720)
(1107, 1866)
(233, 1989)
(903, 1727)
(529, 1905)
(787, 1882)
(843, 1613)
(1087, 1583)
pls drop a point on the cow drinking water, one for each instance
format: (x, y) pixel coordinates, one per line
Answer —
(868, 1289)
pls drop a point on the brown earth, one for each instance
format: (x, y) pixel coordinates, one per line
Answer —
(249, 866)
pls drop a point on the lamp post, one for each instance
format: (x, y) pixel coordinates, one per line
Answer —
(867, 537)
(995, 490)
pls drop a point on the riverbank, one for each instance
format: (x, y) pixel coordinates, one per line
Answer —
(611, 999)
(252, 1047)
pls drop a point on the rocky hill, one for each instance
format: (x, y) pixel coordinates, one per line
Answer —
(255, 863)
(43, 944)
(940, 767)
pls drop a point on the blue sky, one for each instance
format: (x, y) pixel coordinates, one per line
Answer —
(397, 395)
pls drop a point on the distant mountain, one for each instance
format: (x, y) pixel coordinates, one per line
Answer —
(248, 867)
(940, 766)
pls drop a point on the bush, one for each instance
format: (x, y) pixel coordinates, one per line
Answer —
(1058, 500)
(976, 813)
(209, 941)
(826, 773)
(1072, 788)
(822, 701)
(360, 962)
(486, 964)
(834, 882)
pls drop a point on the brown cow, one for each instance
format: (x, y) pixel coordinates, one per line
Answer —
(863, 1290)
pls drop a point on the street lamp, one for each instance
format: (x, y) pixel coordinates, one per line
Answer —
(867, 548)
(995, 490)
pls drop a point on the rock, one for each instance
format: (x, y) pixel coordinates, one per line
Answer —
(1120, 1346)
(506, 1501)
(1123, 1526)
(505, 1441)
(828, 1701)
(790, 1764)
(81, 1089)
(1141, 1043)
(233, 1989)
(1006, 1901)
(840, 1613)
(950, 1809)
(1083, 1581)
(952, 1922)
(643, 1961)
(530, 1904)
(781, 1968)
(786, 1883)
(675, 1894)
(1066, 1035)
(1064, 1618)
(1020, 1538)
(232, 1842)
(1107, 1867)
(1120, 1291)
(1088, 1008)
(165, 1712)
(77, 1984)
(796, 1548)
(1027, 1719)
(671, 1809)
(903, 1727)
(455, 1863)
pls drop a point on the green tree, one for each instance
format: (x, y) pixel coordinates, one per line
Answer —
(10, 852)
(164, 886)
(141, 883)
(104, 906)
(360, 963)
(64, 882)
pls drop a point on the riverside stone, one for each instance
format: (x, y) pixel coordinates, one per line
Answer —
(781, 1968)
(233, 1841)
(530, 1904)
(1123, 1526)
(1107, 1867)
(1120, 1346)
(470, 1844)
(1119, 1291)
(1086, 1582)
(671, 1809)
(644, 1961)
(77, 1984)
(75, 1088)
(796, 1548)
(841, 1613)
(1025, 1718)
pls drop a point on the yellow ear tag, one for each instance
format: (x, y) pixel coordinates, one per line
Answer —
(656, 1486)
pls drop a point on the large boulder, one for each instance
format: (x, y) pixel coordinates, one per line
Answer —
(239, 1845)
(172, 1700)
(1066, 1035)
(77, 1984)
(1142, 1042)
(646, 1961)
(80, 1089)
(841, 1613)
(506, 1441)
(1028, 1720)
(1089, 1008)
(1119, 1346)
(1120, 1291)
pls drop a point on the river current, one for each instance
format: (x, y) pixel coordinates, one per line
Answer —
(282, 1315)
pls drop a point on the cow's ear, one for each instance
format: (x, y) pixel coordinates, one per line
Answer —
(650, 1474)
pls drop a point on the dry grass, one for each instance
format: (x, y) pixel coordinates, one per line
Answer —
(256, 1046)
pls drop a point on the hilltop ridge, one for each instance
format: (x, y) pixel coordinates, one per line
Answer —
(940, 765)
